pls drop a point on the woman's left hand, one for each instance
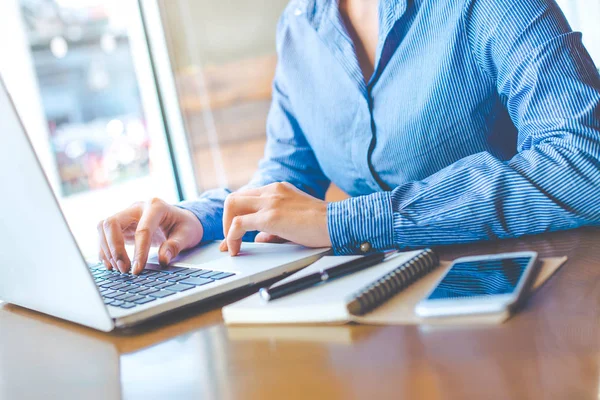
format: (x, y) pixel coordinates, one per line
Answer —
(280, 211)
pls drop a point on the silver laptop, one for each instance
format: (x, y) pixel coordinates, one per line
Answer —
(42, 268)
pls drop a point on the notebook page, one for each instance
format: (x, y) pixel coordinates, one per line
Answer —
(322, 303)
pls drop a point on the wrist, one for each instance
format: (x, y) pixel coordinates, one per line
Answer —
(195, 224)
(208, 214)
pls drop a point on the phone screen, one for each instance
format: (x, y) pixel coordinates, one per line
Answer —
(481, 278)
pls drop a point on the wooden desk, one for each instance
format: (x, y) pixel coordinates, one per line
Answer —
(550, 350)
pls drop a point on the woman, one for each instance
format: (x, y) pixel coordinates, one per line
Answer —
(446, 121)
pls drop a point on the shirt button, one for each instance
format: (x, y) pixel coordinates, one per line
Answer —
(365, 247)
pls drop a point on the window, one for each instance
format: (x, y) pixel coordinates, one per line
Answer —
(223, 58)
(81, 79)
(583, 15)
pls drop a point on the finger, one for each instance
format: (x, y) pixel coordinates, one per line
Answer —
(104, 249)
(238, 204)
(223, 245)
(239, 226)
(116, 245)
(264, 237)
(170, 248)
(104, 260)
(149, 223)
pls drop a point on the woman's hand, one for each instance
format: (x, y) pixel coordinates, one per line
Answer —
(279, 211)
(154, 223)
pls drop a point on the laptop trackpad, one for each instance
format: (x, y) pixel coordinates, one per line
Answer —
(199, 255)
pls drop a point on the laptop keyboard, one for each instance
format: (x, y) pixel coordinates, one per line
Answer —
(128, 291)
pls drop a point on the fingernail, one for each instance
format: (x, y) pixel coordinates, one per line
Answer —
(134, 268)
(168, 256)
(121, 265)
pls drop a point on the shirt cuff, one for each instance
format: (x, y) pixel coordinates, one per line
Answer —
(209, 215)
(361, 224)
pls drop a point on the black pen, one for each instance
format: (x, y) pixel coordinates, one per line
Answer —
(275, 292)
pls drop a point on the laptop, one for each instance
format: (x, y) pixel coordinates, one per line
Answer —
(43, 269)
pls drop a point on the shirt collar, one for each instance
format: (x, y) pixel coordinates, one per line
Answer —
(316, 11)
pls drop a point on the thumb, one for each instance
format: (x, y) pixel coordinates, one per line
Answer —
(168, 250)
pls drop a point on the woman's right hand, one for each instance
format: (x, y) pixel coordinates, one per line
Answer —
(153, 223)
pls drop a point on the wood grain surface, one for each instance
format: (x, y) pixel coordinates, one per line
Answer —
(549, 350)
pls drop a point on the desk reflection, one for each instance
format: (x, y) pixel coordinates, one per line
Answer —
(41, 357)
(38, 360)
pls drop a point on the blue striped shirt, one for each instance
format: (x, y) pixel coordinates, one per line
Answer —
(481, 121)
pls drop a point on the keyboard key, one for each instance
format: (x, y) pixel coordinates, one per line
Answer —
(189, 271)
(130, 286)
(100, 281)
(168, 270)
(148, 291)
(108, 301)
(164, 285)
(144, 300)
(197, 281)
(148, 272)
(110, 284)
(117, 303)
(222, 275)
(138, 282)
(200, 272)
(112, 295)
(161, 294)
(123, 296)
(163, 277)
(153, 283)
(106, 291)
(176, 278)
(137, 289)
(179, 287)
(119, 286)
(132, 298)
(210, 274)
(127, 305)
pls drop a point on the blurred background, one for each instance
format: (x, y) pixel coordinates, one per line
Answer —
(125, 100)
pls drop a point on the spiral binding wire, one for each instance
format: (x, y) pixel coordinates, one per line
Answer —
(393, 282)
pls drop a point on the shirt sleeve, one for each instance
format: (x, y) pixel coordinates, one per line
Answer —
(288, 157)
(551, 89)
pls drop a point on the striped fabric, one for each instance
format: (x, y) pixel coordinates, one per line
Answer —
(481, 121)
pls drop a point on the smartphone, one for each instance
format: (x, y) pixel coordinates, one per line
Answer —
(490, 284)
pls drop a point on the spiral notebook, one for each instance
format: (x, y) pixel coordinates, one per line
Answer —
(383, 294)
